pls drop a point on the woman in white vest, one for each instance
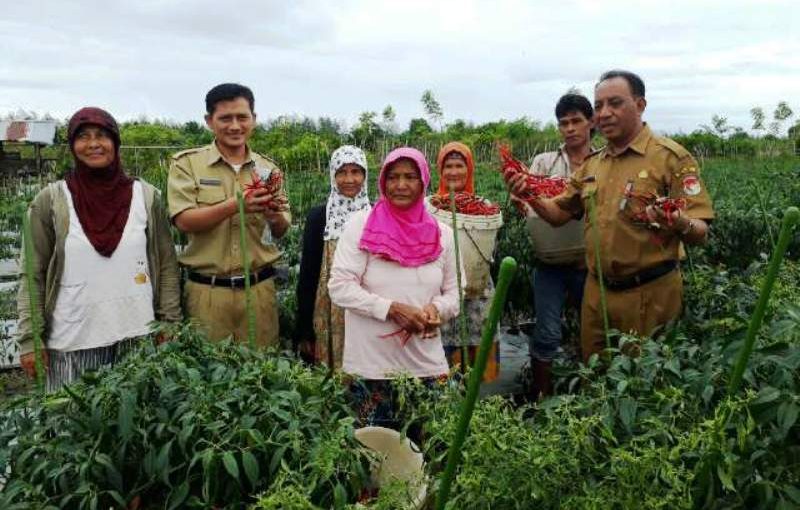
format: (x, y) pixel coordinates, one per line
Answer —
(104, 264)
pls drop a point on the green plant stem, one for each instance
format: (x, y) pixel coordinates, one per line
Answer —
(790, 219)
(507, 269)
(248, 295)
(33, 298)
(599, 266)
(763, 207)
(462, 319)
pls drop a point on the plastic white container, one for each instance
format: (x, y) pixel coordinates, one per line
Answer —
(400, 460)
(476, 241)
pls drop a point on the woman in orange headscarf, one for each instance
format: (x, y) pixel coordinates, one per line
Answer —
(477, 221)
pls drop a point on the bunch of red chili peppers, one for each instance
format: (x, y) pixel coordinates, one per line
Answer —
(272, 183)
(536, 185)
(466, 203)
(667, 205)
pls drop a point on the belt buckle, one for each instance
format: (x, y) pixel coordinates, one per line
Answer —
(236, 279)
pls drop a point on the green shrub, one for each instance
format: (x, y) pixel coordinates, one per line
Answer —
(190, 424)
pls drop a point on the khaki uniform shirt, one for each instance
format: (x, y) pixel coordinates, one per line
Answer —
(200, 178)
(650, 164)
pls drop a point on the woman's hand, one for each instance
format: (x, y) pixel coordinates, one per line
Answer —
(433, 320)
(28, 363)
(410, 318)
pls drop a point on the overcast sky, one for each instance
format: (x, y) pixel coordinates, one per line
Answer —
(484, 60)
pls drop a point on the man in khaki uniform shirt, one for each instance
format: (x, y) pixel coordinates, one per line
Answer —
(202, 202)
(639, 244)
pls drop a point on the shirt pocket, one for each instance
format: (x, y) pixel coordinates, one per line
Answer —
(71, 306)
(208, 195)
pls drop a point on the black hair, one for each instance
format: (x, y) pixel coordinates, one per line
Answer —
(571, 102)
(635, 83)
(228, 92)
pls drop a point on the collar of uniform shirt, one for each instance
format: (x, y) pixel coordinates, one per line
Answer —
(215, 155)
(638, 145)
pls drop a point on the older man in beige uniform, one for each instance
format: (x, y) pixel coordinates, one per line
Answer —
(639, 245)
(202, 201)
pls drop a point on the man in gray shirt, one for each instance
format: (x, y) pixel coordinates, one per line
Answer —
(561, 268)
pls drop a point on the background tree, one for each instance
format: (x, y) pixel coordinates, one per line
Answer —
(432, 108)
(367, 131)
(389, 117)
(779, 116)
(757, 114)
(418, 128)
(719, 126)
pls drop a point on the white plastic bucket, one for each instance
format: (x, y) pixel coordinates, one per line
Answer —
(476, 240)
(400, 460)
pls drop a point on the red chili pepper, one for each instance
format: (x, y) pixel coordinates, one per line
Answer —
(466, 203)
(271, 184)
(536, 185)
(666, 204)
(401, 334)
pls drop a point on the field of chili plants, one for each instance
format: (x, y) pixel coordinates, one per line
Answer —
(193, 425)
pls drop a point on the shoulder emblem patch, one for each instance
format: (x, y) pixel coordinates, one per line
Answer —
(691, 185)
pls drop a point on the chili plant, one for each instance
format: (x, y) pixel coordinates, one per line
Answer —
(189, 424)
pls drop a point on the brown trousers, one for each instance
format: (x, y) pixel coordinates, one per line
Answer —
(221, 311)
(640, 310)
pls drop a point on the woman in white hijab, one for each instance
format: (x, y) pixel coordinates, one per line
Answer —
(319, 334)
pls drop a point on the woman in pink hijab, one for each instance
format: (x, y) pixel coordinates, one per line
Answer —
(394, 273)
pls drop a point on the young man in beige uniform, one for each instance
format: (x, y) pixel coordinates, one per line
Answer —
(639, 244)
(202, 190)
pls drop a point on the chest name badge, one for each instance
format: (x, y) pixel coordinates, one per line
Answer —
(643, 174)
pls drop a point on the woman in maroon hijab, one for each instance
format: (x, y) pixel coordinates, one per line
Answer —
(104, 264)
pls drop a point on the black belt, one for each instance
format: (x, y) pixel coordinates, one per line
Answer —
(233, 282)
(642, 277)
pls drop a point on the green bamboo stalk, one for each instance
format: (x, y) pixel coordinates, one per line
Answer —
(248, 297)
(33, 298)
(763, 208)
(462, 318)
(790, 219)
(598, 266)
(507, 269)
